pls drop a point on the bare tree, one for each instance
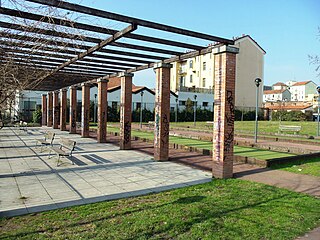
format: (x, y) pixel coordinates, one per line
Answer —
(315, 59)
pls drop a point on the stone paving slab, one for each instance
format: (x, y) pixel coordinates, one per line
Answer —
(31, 182)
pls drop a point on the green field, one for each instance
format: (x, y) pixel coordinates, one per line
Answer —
(242, 151)
(265, 127)
(221, 209)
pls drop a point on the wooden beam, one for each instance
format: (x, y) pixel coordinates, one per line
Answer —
(122, 18)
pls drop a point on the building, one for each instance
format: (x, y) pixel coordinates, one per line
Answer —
(195, 76)
(303, 91)
(276, 95)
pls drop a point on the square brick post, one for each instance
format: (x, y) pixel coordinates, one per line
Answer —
(85, 114)
(63, 109)
(73, 109)
(102, 111)
(125, 110)
(162, 112)
(44, 109)
(50, 109)
(224, 98)
(56, 110)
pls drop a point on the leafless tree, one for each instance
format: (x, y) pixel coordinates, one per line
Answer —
(315, 59)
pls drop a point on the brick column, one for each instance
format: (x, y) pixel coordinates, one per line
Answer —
(50, 109)
(102, 111)
(56, 110)
(162, 112)
(44, 109)
(224, 97)
(85, 113)
(63, 109)
(125, 110)
(73, 110)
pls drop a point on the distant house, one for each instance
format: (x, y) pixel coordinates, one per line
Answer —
(303, 91)
(276, 95)
(279, 86)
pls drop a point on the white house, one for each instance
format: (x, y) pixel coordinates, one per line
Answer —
(303, 91)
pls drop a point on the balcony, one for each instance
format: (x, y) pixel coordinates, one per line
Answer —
(196, 89)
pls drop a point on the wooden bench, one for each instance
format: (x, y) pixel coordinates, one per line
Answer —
(65, 149)
(209, 124)
(47, 141)
(288, 128)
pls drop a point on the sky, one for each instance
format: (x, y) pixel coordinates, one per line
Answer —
(286, 29)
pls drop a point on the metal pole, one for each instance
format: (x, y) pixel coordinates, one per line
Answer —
(256, 125)
(194, 110)
(95, 109)
(176, 116)
(141, 109)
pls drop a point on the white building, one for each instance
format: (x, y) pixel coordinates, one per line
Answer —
(195, 76)
(276, 95)
(303, 91)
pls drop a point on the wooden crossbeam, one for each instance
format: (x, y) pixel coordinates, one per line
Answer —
(122, 18)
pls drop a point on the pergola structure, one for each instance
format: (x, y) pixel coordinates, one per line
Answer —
(120, 54)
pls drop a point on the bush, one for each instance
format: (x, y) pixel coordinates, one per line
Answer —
(290, 116)
(37, 116)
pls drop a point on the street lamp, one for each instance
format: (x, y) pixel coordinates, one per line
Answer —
(95, 109)
(318, 89)
(176, 115)
(257, 81)
(194, 110)
(141, 108)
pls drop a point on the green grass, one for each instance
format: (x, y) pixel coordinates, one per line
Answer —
(242, 151)
(221, 209)
(267, 127)
(308, 167)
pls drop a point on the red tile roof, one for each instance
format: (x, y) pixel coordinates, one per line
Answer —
(290, 107)
(279, 84)
(301, 83)
(274, 91)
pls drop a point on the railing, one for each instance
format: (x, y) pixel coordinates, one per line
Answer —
(196, 90)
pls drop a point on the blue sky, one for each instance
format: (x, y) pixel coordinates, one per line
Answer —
(286, 29)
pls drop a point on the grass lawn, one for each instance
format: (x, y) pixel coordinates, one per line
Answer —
(269, 127)
(242, 151)
(221, 209)
(309, 167)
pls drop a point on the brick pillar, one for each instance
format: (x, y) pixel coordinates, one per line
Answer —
(102, 111)
(73, 110)
(85, 113)
(162, 112)
(224, 95)
(50, 109)
(56, 110)
(125, 110)
(44, 109)
(63, 109)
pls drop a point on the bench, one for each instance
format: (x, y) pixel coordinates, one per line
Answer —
(22, 126)
(65, 149)
(151, 124)
(209, 124)
(288, 128)
(47, 141)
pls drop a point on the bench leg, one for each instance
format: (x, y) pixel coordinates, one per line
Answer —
(49, 154)
(58, 161)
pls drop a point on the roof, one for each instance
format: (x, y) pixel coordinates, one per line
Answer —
(274, 91)
(279, 84)
(237, 39)
(301, 83)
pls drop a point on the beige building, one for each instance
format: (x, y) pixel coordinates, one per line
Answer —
(196, 75)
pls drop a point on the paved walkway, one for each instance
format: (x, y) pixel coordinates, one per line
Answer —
(30, 182)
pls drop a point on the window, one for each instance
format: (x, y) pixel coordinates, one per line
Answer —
(205, 104)
(204, 66)
(191, 79)
(191, 64)
(182, 103)
(203, 82)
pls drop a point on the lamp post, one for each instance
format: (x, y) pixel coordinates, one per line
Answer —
(257, 82)
(318, 130)
(141, 102)
(176, 115)
(194, 110)
(95, 109)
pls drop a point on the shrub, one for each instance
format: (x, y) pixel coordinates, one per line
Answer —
(37, 116)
